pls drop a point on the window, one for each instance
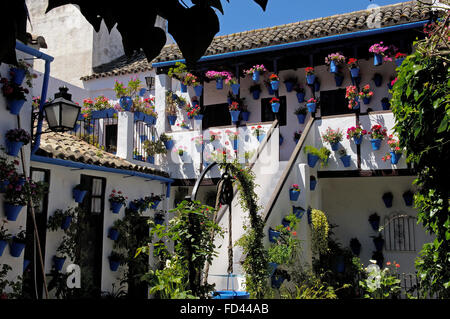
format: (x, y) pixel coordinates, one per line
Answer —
(216, 115)
(399, 232)
(266, 111)
(111, 138)
(333, 102)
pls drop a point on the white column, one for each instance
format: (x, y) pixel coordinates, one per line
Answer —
(162, 84)
(125, 135)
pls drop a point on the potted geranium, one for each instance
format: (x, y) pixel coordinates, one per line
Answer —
(275, 102)
(115, 260)
(345, 158)
(116, 201)
(294, 192)
(14, 94)
(290, 81)
(234, 111)
(311, 105)
(351, 94)
(78, 192)
(297, 135)
(366, 94)
(4, 238)
(356, 133)
(396, 151)
(259, 132)
(333, 137)
(15, 139)
(274, 81)
(399, 58)
(378, 49)
(179, 72)
(17, 243)
(256, 71)
(301, 114)
(310, 76)
(377, 134)
(353, 66)
(219, 77)
(300, 92)
(255, 89)
(334, 60)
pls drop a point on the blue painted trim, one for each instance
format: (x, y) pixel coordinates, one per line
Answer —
(66, 163)
(297, 44)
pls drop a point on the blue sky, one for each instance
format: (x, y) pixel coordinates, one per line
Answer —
(242, 15)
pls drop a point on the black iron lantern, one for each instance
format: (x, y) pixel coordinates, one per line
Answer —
(62, 113)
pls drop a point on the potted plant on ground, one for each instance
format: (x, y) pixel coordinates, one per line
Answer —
(115, 260)
(377, 134)
(60, 219)
(396, 151)
(167, 140)
(345, 158)
(78, 192)
(333, 137)
(301, 114)
(274, 81)
(311, 104)
(14, 94)
(294, 192)
(15, 139)
(310, 76)
(290, 81)
(314, 155)
(366, 94)
(378, 49)
(17, 243)
(275, 103)
(4, 238)
(351, 95)
(116, 201)
(259, 132)
(333, 60)
(353, 66)
(255, 89)
(356, 133)
(233, 108)
(256, 71)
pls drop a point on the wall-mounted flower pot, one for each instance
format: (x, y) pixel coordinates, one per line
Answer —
(354, 72)
(113, 264)
(399, 62)
(408, 197)
(219, 84)
(338, 79)
(159, 220)
(26, 262)
(300, 97)
(235, 88)
(11, 211)
(18, 75)
(171, 119)
(235, 144)
(358, 140)
(378, 79)
(245, 116)
(310, 78)
(66, 222)
(275, 107)
(198, 90)
(183, 88)
(3, 244)
(132, 206)
(150, 159)
(255, 76)
(59, 262)
(285, 222)
(355, 246)
(15, 106)
(311, 107)
(298, 212)
(281, 139)
(334, 146)
(256, 94)
(376, 143)
(377, 59)
(16, 248)
(289, 86)
(115, 206)
(168, 144)
(138, 116)
(270, 90)
(260, 137)
(301, 118)
(333, 67)
(155, 204)
(272, 268)
(375, 224)
(387, 199)
(379, 243)
(235, 116)
(293, 195)
(3, 184)
(78, 195)
(316, 86)
(386, 105)
(113, 234)
(346, 160)
(312, 184)
(198, 117)
(273, 235)
(312, 160)
(274, 85)
(277, 281)
(126, 103)
(76, 127)
(13, 147)
(366, 100)
(395, 157)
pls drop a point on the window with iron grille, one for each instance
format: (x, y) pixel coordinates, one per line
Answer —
(399, 232)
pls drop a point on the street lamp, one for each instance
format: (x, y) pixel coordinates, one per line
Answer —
(61, 113)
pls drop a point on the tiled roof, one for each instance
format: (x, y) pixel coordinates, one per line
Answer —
(69, 147)
(389, 15)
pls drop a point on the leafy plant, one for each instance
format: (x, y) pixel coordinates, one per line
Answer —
(286, 249)
(18, 135)
(301, 110)
(319, 228)
(381, 283)
(323, 153)
(155, 147)
(3, 233)
(54, 221)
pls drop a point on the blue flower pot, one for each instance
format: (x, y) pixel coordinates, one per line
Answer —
(378, 80)
(310, 79)
(76, 128)
(358, 140)
(89, 129)
(150, 159)
(289, 86)
(261, 137)
(395, 157)
(66, 222)
(235, 88)
(255, 76)
(59, 262)
(311, 107)
(183, 88)
(113, 233)
(26, 262)
(15, 106)
(19, 75)
(126, 103)
(301, 118)
(275, 107)
(138, 116)
(3, 244)
(114, 264)
(198, 90)
(169, 144)
(277, 281)
(171, 119)
(12, 211)
(312, 160)
(285, 222)
(376, 143)
(159, 220)
(235, 144)
(281, 139)
(245, 115)
(293, 195)
(78, 195)
(270, 90)
(354, 72)
(115, 206)
(98, 114)
(333, 67)
(15, 249)
(13, 148)
(256, 94)
(346, 160)
(399, 62)
(273, 235)
(408, 197)
(379, 243)
(133, 206)
(312, 184)
(155, 204)
(219, 84)
(235, 116)
(387, 199)
(385, 105)
(298, 212)
(274, 85)
(334, 146)
(316, 86)
(272, 268)
(377, 59)
(338, 79)
(366, 100)
(300, 97)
